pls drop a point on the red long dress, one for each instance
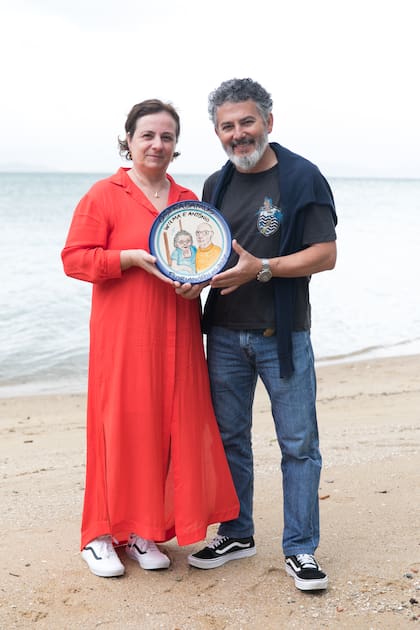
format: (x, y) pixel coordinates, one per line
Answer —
(155, 460)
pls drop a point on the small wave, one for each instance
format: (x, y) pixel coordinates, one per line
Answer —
(406, 347)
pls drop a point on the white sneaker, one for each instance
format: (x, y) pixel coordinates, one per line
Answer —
(101, 557)
(146, 553)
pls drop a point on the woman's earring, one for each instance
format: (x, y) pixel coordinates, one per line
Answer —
(129, 157)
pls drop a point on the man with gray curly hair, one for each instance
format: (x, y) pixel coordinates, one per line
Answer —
(235, 91)
(281, 213)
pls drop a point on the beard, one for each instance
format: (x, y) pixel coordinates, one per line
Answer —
(247, 162)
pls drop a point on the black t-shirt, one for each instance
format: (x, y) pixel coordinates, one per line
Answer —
(252, 207)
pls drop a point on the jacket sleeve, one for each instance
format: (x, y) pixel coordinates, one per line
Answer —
(85, 255)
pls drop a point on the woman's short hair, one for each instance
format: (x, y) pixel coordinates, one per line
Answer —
(145, 108)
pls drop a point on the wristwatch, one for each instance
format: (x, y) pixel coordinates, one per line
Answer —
(265, 274)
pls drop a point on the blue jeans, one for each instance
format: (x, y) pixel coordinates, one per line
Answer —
(236, 358)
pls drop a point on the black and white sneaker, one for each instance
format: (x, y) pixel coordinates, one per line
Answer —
(306, 572)
(222, 549)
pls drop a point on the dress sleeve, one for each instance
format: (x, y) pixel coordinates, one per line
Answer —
(85, 255)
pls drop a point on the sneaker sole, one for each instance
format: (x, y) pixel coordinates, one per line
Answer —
(105, 574)
(307, 585)
(148, 565)
(213, 563)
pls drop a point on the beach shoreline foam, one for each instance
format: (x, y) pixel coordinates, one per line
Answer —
(75, 382)
(369, 421)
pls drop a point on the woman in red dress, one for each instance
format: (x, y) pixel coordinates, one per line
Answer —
(156, 466)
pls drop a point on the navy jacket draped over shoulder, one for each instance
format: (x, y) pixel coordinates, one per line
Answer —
(301, 185)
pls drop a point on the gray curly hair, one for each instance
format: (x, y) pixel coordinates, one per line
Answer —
(237, 91)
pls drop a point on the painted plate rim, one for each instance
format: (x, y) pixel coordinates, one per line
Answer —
(163, 232)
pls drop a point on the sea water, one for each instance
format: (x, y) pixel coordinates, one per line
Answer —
(367, 306)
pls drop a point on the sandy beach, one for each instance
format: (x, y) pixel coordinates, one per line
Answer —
(369, 421)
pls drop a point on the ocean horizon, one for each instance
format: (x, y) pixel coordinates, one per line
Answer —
(367, 307)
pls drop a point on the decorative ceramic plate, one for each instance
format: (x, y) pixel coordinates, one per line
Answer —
(191, 241)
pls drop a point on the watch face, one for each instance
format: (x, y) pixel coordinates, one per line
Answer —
(264, 275)
(191, 241)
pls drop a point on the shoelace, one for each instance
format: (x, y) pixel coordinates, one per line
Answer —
(217, 541)
(151, 546)
(106, 548)
(307, 561)
(145, 545)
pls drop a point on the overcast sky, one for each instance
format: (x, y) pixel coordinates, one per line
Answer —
(344, 76)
